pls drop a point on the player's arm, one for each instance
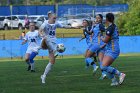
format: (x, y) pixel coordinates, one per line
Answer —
(102, 28)
(90, 31)
(81, 39)
(84, 35)
(109, 33)
(41, 30)
(24, 41)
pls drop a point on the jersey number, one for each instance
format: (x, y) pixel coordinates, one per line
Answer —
(32, 40)
(52, 33)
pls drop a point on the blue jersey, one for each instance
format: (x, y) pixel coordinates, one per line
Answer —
(87, 35)
(113, 44)
(97, 33)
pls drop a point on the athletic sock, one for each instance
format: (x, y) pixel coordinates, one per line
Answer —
(47, 69)
(32, 56)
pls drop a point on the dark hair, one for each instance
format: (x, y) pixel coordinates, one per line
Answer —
(49, 13)
(88, 22)
(110, 17)
(100, 16)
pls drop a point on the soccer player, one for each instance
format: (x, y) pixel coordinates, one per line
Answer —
(97, 45)
(88, 36)
(48, 33)
(32, 38)
(112, 51)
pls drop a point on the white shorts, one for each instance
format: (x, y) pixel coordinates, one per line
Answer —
(30, 50)
(51, 44)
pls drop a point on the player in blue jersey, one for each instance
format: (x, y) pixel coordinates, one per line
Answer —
(88, 36)
(97, 45)
(112, 51)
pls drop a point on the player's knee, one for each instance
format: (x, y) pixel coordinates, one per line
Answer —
(52, 60)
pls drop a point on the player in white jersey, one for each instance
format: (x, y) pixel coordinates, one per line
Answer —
(48, 32)
(32, 38)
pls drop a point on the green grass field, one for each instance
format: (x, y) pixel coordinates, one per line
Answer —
(67, 76)
(15, 34)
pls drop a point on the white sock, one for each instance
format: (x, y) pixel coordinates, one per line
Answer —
(32, 66)
(47, 69)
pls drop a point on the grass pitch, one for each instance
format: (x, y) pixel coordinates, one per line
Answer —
(67, 76)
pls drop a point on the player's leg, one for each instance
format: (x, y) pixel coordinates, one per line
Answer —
(111, 71)
(90, 61)
(92, 51)
(31, 58)
(49, 66)
(100, 56)
(52, 49)
(87, 64)
(27, 55)
(43, 44)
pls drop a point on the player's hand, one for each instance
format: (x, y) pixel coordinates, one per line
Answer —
(22, 43)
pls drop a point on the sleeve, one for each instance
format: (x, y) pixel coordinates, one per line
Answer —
(26, 37)
(109, 31)
(43, 26)
(59, 25)
(102, 28)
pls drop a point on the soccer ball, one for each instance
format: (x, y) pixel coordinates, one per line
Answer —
(61, 48)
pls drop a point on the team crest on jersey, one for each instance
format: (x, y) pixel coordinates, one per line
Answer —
(108, 32)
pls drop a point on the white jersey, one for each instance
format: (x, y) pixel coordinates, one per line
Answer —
(33, 41)
(50, 30)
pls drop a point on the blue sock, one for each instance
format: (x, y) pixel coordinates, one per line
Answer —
(110, 76)
(94, 66)
(113, 70)
(32, 56)
(110, 70)
(89, 60)
(87, 64)
(103, 72)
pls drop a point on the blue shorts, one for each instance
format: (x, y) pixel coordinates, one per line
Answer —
(101, 50)
(113, 54)
(94, 48)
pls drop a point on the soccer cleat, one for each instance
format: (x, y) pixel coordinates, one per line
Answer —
(114, 83)
(95, 69)
(121, 78)
(102, 76)
(43, 79)
(29, 68)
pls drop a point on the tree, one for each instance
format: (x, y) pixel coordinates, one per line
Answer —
(129, 23)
